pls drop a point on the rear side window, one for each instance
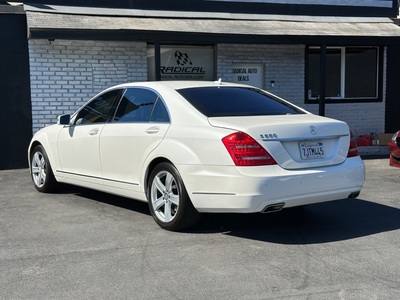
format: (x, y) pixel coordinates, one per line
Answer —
(235, 101)
(136, 105)
(160, 113)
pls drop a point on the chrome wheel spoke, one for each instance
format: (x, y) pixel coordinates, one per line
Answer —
(174, 199)
(169, 180)
(35, 170)
(36, 159)
(159, 185)
(43, 176)
(168, 212)
(158, 203)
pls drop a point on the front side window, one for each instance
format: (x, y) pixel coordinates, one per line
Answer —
(99, 109)
(236, 101)
(352, 74)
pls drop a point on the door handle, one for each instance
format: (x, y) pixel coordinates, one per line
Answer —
(152, 130)
(94, 131)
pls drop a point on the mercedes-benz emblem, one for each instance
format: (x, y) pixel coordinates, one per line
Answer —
(313, 130)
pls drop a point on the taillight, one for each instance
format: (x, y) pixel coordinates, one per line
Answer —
(353, 151)
(245, 151)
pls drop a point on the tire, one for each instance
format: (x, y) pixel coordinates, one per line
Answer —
(41, 172)
(169, 202)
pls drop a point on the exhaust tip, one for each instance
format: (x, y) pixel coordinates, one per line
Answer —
(273, 208)
(354, 195)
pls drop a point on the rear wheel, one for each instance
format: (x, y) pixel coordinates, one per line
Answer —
(169, 202)
(41, 172)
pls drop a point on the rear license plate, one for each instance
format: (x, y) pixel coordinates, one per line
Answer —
(312, 150)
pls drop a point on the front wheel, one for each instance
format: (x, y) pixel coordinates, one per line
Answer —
(169, 202)
(41, 172)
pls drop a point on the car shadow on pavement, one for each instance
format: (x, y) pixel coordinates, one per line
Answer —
(312, 224)
(113, 200)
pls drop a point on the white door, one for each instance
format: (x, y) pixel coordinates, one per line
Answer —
(78, 144)
(78, 148)
(140, 124)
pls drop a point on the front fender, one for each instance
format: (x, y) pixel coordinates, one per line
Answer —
(47, 137)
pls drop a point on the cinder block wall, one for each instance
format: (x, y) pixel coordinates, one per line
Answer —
(285, 65)
(65, 74)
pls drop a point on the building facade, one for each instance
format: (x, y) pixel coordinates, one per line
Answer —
(333, 57)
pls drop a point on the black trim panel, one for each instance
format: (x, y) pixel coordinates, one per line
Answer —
(210, 38)
(234, 7)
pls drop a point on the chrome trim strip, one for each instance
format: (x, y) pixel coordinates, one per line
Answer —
(218, 194)
(305, 139)
(95, 177)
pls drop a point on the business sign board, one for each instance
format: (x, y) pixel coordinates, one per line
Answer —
(252, 74)
(183, 63)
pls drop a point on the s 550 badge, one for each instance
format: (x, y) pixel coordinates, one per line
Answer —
(269, 136)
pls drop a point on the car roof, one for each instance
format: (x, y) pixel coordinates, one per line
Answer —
(176, 85)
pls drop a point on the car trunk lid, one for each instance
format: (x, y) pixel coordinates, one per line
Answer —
(295, 141)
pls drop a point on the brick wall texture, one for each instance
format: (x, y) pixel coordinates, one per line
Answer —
(65, 74)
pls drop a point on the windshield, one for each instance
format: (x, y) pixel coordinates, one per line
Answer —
(236, 101)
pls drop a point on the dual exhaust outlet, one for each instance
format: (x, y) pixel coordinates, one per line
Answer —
(273, 208)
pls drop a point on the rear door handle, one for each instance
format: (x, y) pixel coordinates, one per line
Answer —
(94, 131)
(152, 130)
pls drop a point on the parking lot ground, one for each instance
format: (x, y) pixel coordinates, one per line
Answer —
(80, 244)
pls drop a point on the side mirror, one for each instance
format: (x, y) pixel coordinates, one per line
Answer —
(64, 119)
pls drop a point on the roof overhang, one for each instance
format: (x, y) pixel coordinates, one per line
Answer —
(57, 22)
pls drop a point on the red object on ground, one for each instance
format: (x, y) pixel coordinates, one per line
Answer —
(364, 140)
(394, 149)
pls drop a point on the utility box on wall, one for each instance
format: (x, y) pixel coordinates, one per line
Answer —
(381, 139)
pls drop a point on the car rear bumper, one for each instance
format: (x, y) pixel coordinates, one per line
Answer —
(252, 189)
(394, 161)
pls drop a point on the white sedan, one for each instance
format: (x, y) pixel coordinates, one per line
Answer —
(193, 147)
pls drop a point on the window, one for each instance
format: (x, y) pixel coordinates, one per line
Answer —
(160, 113)
(352, 74)
(98, 110)
(233, 101)
(141, 105)
(182, 62)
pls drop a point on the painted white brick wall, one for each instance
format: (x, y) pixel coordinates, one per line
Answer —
(284, 64)
(65, 74)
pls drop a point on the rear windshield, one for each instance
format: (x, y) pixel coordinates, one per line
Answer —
(235, 101)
